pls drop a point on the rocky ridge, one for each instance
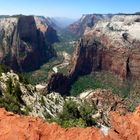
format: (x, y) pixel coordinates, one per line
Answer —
(28, 128)
(34, 103)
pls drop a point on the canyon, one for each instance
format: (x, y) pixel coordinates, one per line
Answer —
(107, 43)
(112, 44)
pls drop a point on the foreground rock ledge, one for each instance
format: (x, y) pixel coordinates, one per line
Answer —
(15, 127)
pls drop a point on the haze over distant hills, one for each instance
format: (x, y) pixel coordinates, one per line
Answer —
(63, 22)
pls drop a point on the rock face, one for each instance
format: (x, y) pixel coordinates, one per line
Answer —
(86, 21)
(105, 102)
(58, 83)
(110, 45)
(126, 127)
(28, 128)
(33, 102)
(25, 42)
(48, 21)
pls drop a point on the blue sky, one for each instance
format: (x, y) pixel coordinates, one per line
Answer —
(67, 8)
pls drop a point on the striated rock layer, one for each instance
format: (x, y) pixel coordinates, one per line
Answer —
(17, 127)
(25, 42)
(111, 45)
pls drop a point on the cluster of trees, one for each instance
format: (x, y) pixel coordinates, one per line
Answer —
(11, 100)
(76, 114)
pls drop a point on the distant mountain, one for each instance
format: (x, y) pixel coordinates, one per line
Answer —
(3, 16)
(62, 22)
(87, 20)
(90, 20)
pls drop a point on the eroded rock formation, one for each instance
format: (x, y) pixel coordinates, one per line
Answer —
(105, 102)
(25, 42)
(126, 127)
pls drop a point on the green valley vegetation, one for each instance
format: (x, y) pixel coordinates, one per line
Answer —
(65, 44)
(75, 114)
(41, 75)
(126, 89)
(103, 80)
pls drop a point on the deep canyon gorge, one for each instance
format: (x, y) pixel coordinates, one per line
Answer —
(103, 49)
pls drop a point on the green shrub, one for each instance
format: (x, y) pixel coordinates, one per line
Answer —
(75, 115)
(11, 100)
(10, 104)
(23, 78)
(3, 69)
(70, 111)
(86, 111)
(42, 101)
(74, 123)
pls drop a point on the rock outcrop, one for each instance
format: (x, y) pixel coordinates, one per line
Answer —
(125, 127)
(27, 128)
(110, 45)
(25, 42)
(31, 101)
(105, 102)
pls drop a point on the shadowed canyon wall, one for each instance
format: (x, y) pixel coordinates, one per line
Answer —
(25, 42)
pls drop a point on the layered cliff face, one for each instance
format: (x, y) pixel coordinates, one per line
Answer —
(110, 45)
(86, 21)
(25, 42)
(28, 128)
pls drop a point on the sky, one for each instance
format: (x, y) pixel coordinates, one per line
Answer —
(67, 8)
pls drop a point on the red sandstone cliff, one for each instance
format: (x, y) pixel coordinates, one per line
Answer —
(15, 127)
